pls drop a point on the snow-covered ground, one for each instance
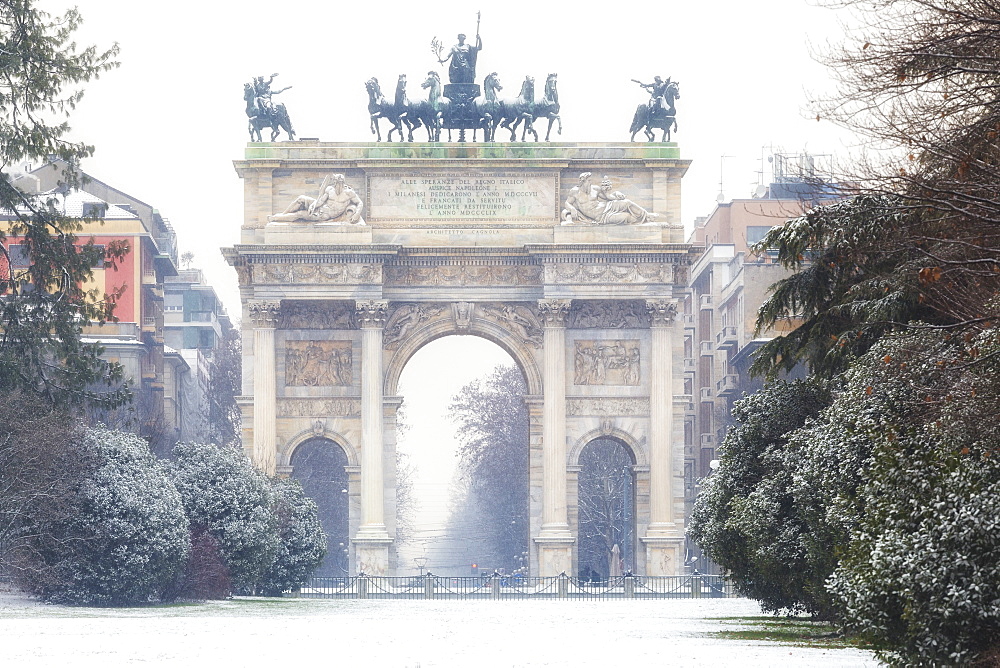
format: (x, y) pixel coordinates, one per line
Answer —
(403, 634)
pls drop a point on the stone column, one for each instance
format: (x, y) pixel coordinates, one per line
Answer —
(555, 541)
(372, 541)
(264, 450)
(664, 537)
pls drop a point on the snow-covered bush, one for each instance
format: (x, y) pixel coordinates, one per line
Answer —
(921, 578)
(127, 538)
(745, 518)
(303, 542)
(227, 497)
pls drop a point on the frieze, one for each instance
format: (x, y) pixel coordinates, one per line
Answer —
(608, 407)
(317, 315)
(317, 273)
(404, 318)
(608, 314)
(319, 407)
(318, 363)
(588, 274)
(452, 274)
(614, 362)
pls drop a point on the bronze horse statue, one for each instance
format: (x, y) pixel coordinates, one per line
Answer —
(258, 119)
(647, 119)
(520, 109)
(490, 108)
(429, 112)
(548, 107)
(379, 108)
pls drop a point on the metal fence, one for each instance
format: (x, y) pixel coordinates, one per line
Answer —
(498, 586)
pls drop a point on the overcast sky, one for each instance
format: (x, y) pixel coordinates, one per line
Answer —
(169, 122)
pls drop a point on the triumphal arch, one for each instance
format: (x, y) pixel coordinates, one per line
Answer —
(568, 256)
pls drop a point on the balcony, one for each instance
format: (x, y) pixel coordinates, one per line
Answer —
(153, 290)
(727, 338)
(705, 302)
(708, 440)
(728, 385)
(690, 364)
(149, 324)
(688, 320)
(706, 348)
(706, 394)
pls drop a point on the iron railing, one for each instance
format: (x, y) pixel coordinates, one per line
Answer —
(499, 586)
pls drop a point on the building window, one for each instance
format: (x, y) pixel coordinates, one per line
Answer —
(94, 209)
(755, 233)
(18, 256)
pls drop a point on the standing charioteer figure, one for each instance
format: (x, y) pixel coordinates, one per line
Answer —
(460, 113)
(462, 56)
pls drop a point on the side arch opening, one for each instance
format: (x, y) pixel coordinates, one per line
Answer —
(606, 509)
(320, 466)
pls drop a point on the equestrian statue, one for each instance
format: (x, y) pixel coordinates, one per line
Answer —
(659, 112)
(262, 113)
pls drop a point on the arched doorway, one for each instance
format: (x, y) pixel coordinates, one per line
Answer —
(606, 507)
(464, 438)
(319, 465)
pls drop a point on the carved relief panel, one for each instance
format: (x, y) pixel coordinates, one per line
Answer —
(608, 314)
(319, 314)
(319, 407)
(320, 273)
(403, 318)
(318, 363)
(611, 362)
(591, 274)
(519, 319)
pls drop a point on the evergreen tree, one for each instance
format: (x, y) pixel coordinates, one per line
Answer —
(44, 305)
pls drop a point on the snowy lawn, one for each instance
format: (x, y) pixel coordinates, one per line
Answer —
(425, 634)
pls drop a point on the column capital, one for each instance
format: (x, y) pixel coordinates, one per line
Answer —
(371, 313)
(553, 312)
(661, 312)
(264, 315)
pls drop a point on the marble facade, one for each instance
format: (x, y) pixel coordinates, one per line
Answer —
(468, 239)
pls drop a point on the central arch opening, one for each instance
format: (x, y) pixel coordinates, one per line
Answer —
(462, 439)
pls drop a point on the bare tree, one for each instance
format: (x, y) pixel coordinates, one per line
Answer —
(224, 418)
(607, 509)
(40, 470)
(494, 460)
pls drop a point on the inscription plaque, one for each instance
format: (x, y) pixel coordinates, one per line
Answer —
(452, 195)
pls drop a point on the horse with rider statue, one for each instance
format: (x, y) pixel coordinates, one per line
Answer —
(262, 112)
